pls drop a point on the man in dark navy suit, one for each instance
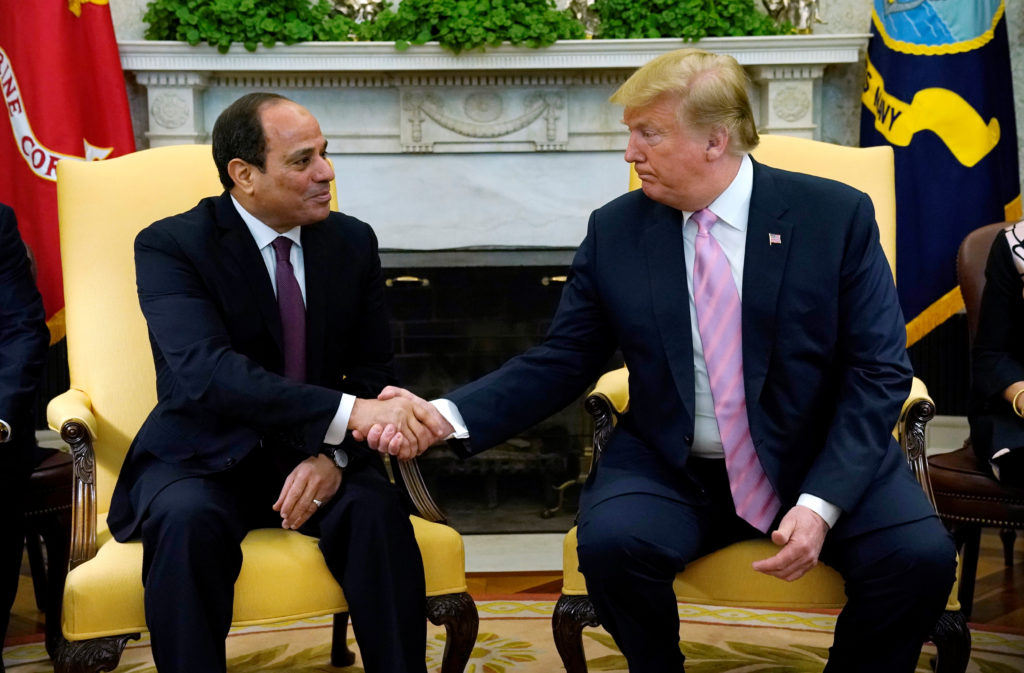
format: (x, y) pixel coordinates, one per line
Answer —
(757, 315)
(23, 342)
(266, 317)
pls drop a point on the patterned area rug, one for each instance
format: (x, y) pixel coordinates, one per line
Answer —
(515, 637)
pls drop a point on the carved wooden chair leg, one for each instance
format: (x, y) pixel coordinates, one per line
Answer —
(90, 656)
(952, 640)
(1008, 536)
(571, 614)
(457, 613)
(341, 656)
(57, 541)
(969, 568)
(37, 565)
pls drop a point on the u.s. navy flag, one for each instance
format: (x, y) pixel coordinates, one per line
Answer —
(62, 87)
(938, 89)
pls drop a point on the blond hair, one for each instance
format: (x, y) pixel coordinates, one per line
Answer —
(711, 90)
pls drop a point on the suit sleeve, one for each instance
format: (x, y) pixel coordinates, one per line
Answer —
(365, 341)
(547, 378)
(994, 364)
(23, 334)
(369, 354)
(873, 370)
(188, 331)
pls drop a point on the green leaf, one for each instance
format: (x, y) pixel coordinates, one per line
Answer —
(457, 24)
(423, 36)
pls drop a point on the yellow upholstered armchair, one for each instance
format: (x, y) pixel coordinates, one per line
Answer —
(725, 577)
(102, 206)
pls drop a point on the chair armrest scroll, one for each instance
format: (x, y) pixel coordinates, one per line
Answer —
(614, 387)
(606, 402)
(71, 406)
(598, 406)
(910, 431)
(70, 413)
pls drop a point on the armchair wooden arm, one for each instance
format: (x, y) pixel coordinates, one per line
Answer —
(410, 477)
(70, 414)
(918, 409)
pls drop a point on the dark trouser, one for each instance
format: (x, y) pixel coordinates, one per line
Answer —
(191, 540)
(631, 547)
(15, 469)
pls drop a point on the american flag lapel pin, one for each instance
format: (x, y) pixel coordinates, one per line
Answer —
(774, 239)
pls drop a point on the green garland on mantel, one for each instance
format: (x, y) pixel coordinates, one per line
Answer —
(688, 19)
(457, 25)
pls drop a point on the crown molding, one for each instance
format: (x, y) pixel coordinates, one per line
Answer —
(147, 55)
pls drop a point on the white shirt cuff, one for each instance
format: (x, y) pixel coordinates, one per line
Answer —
(339, 425)
(452, 415)
(823, 508)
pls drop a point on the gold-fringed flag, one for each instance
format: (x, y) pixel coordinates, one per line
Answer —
(938, 89)
(64, 93)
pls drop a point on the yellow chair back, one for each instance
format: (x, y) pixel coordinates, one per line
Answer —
(102, 206)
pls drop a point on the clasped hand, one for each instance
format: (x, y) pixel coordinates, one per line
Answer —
(398, 423)
(313, 482)
(801, 534)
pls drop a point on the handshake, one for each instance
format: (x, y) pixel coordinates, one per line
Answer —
(398, 423)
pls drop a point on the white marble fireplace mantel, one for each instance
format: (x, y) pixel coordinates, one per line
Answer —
(511, 147)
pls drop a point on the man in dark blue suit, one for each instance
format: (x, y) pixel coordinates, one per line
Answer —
(779, 421)
(23, 342)
(267, 323)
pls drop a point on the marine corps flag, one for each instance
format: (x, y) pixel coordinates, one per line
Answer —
(64, 93)
(938, 89)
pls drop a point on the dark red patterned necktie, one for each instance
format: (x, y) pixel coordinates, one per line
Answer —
(293, 312)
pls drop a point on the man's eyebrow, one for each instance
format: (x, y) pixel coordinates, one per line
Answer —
(305, 152)
(302, 153)
(638, 124)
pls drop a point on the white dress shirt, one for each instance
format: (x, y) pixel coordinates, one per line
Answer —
(264, 237)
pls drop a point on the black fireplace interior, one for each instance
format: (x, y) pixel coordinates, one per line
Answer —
(453, 324)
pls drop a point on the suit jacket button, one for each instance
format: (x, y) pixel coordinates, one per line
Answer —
(231, 461)
(688, 439)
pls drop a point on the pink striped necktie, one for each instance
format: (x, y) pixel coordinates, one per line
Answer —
(718, 320)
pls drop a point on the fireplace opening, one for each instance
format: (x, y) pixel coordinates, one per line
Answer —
(453, 324)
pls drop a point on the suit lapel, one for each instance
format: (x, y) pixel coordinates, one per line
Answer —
(663, 244)
(768, 243)
(316, 254)
(242, 250)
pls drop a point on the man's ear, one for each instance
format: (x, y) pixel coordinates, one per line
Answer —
(717, 142)
(243, 174)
